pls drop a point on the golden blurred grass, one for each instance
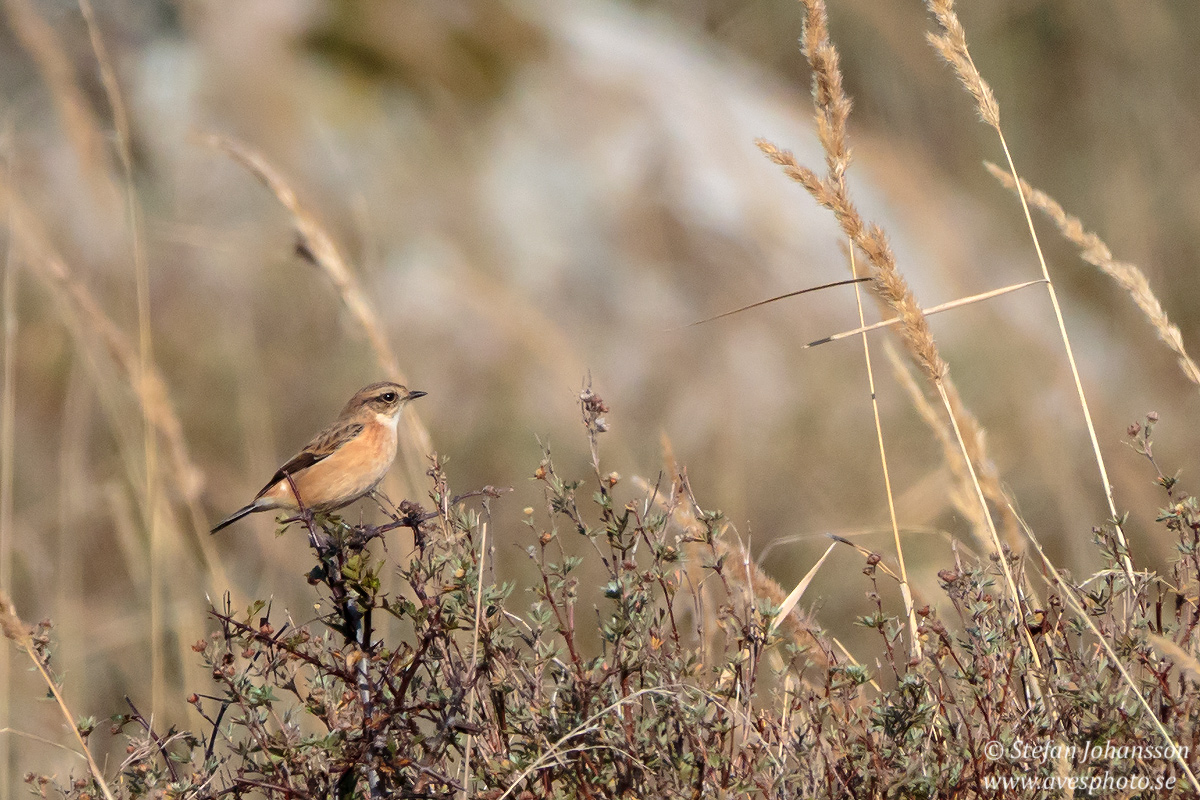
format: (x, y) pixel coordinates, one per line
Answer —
(507, 248)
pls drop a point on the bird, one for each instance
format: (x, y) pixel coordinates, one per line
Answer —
(342, 463)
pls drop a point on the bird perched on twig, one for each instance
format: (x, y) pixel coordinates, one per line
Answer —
(342, 463)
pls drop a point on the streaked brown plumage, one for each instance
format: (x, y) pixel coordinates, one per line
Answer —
(343, 462)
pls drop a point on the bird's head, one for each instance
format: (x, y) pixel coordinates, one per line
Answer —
(384, 399)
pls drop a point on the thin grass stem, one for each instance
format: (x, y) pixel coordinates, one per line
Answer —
(7, 462)
(951, 44)
(483, 541)
(905, 591)
(141, 270)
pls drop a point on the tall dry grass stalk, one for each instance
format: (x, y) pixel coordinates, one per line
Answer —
(1094, 251)
(8, 417)
(905, 591)
(317, 246)
(832, 108)
(141, 272)
(951, 44)
(483, 558)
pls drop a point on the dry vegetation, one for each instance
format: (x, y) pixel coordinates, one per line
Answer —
(580, 634)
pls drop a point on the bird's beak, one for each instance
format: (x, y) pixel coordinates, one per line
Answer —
(415, 394)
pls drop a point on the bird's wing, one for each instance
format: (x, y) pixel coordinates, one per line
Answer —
(325, 445)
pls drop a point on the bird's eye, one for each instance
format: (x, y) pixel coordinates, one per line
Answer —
(388, 397)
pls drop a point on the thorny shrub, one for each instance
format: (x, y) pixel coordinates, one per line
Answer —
(666, 680)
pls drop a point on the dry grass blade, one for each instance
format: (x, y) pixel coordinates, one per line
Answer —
(1094, 251)
(317, 246)
(7, 460)
(18, 632)
(959, 303)
(794, 596)
(796, 293)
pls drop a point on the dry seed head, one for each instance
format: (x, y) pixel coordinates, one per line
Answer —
(11, 625)
(952, 46)
(1094, 251)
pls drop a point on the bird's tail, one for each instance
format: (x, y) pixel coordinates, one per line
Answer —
(235, 516)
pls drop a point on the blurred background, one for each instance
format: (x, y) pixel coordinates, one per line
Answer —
(529, 193)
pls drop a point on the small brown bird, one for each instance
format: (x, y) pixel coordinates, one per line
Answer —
(343, 462)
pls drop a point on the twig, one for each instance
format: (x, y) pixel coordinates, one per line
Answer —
(158, 740)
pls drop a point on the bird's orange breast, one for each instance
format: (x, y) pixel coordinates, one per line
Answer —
(344, 476)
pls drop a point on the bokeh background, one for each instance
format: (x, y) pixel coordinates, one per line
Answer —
(531, 193)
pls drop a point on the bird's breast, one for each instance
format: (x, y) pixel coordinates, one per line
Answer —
(346, 474)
